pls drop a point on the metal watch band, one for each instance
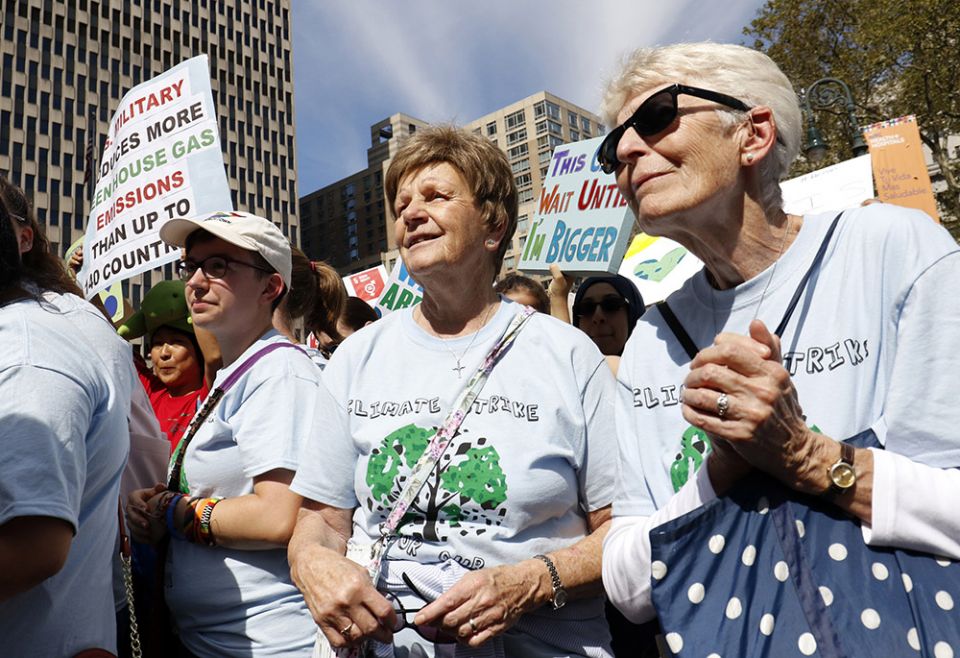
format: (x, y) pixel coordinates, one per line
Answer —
(559, 593)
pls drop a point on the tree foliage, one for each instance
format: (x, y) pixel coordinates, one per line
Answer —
(899, 57)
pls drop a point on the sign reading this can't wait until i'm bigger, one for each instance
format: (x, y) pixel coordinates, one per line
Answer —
(582, 222)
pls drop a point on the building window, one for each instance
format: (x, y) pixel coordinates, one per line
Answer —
(517, 136)
(555, 127)
(574, 136)
(545, 156)
(525, 196)
(518, 151)
(553, 110)
(524, 180)
(572, 117)
(541, 127)
(585, 125)
(522, 222)
(540, 109)
(492, 128)
(520, 166)
(515, 119)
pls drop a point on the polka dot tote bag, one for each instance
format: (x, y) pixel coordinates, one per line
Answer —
(766, 571)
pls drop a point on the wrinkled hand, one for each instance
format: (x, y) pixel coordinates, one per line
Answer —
(344, 603)
(493, 598)
(764, 423)
(145, 525)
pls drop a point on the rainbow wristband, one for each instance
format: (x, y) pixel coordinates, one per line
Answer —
(171, 526)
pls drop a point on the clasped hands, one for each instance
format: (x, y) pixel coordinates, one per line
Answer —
(739, 393)
(348, 609)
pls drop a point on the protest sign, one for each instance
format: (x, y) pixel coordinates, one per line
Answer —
(582, 223)
(111, 297)
(400, 291)
(368, 285)
(846, 184)
(161, 160)
(657, 266)
(899, 166)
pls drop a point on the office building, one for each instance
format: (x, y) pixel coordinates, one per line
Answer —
(64, 66)
(346, 223)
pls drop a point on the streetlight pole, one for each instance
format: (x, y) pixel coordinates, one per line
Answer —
(822, 94)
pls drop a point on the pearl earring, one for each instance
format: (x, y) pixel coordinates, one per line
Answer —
(490, 243)
(749, 157)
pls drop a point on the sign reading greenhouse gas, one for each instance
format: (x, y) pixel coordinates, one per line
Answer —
(582, 222)
(161, 160)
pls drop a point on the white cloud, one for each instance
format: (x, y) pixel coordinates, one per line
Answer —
(360, 61)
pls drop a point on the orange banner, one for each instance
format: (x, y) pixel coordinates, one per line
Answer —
(899, 168)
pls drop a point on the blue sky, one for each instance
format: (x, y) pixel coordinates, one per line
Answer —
(359, 61)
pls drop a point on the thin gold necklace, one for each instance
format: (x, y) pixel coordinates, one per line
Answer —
(763, 294)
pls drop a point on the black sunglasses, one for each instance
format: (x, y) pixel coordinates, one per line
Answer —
(654, 115)
(428, 633)
(214, 267)
(608, 305)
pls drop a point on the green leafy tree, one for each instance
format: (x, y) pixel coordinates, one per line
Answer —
(467, 483)
(899, 57)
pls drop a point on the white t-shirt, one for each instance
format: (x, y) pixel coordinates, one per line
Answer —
(242, 602)
(535, 453)
(872, 344)
(64, 438)
(841, 349)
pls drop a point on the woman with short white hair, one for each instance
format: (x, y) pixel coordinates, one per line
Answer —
(780, 468)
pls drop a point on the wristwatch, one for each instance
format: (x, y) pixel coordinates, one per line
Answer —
(559, 593)
(842, 474)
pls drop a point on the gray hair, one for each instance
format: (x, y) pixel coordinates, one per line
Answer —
(734, 70)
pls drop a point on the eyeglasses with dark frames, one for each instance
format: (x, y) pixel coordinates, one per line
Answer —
(213, 267)
(654, 115)
(428, 633)
(608, 305)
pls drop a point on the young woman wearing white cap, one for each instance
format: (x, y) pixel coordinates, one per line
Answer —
(227, 507)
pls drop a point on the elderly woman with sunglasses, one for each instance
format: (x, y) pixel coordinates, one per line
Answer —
(227, 508)
(499, 548)
(757, 402)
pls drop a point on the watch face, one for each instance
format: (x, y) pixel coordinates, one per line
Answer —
(559, 599)
(842, 475)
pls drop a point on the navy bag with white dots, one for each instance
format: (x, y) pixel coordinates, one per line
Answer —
(767, 571)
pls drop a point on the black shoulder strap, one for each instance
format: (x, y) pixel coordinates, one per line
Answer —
(691, 348)
(681, 334)
(806, 277)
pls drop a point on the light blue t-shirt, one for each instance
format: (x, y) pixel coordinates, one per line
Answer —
(874, 337)
(65, 382)
(534, 455)
(230, 602)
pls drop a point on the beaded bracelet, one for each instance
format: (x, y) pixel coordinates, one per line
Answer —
(202, 531)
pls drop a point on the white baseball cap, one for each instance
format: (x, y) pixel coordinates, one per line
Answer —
(247, 231)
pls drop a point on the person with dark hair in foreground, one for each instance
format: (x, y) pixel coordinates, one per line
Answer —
(524, 290)
(65, 387)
